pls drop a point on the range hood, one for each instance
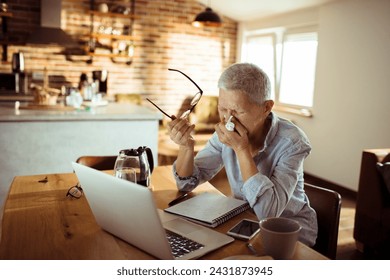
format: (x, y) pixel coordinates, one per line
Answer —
(50, 31)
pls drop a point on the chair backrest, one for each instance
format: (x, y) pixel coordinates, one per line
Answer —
(98, 162)
(132, 98)
(205, 114)
(327, 204)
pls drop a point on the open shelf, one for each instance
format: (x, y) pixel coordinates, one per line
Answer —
(112, 36)
(102, 43)
(111, 55)
(113, 15)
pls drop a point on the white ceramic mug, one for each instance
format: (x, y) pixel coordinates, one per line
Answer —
(279, 237)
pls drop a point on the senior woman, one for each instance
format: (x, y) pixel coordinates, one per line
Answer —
(263, 156)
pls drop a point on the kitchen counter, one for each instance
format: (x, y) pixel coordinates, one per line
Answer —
(47, 141)
(15, 97)
(113, 111)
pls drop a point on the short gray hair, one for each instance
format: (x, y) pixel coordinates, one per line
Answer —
(247, 78)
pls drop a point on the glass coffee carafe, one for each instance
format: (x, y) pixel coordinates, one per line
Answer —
(138, 161)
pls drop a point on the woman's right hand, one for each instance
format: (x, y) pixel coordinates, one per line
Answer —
(180, 132)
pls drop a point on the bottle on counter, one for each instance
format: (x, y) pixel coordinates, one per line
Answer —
(86, 90)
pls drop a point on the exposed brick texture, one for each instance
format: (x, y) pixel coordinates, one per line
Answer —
(164, 38)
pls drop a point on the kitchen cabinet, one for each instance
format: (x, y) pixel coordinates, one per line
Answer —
(111, 31)
(4, 34)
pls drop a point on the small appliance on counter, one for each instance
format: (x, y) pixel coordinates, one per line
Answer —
(21, 83)
(14, 84)
(100, 78)
(7, 83)
(17, 62)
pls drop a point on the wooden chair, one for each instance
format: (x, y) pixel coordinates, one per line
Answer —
(205, 115)
(98, 162)
(327, 204)
(131, 98)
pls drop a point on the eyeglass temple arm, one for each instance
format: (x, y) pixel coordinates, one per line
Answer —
(159, 108)
(200, 90)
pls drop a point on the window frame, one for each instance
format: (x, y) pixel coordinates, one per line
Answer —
(280, 34)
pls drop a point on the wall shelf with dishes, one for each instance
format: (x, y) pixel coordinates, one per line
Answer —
(111, 31)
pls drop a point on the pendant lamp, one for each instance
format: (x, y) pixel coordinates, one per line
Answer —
(207, 18)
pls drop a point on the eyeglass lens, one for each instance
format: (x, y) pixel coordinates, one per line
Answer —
(196, 99)
(193, 102)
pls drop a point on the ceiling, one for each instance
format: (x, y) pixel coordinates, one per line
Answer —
(247, 10)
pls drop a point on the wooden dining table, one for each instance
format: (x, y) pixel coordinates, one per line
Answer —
(41, 223)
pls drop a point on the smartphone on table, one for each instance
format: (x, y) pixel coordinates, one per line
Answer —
(246, 229)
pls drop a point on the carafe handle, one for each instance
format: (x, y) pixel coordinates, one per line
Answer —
(149, 154)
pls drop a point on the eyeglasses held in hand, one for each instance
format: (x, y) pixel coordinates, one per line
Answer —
(193, 102)
(76, 191)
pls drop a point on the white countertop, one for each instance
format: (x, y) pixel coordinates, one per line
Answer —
(113, 111)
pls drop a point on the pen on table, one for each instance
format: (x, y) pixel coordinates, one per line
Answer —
(250, 247)
(178, 199)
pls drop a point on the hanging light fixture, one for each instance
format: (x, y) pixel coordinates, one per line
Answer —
(207, 18)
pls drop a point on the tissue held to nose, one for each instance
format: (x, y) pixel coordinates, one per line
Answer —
(229, 124)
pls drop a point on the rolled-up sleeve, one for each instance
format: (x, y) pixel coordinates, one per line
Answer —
(207, 163)
(186, 183)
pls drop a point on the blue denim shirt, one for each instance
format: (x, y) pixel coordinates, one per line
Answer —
(277, 189)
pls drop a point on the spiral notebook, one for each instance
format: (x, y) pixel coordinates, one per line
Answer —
(209, 209)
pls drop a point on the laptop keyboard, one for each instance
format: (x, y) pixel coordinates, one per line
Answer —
(181, 245)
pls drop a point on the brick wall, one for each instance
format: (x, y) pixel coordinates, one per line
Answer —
(165, 39)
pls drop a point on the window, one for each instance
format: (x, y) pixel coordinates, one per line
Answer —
(289, 59)
(261, 51)
(298, 69)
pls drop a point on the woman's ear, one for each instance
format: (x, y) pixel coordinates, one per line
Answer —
(268, 105)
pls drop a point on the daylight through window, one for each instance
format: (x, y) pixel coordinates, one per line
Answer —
(289, 59)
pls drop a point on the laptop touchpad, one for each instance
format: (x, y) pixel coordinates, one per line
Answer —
(180, 226)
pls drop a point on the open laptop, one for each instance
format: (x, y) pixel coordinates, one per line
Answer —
(128, 211)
